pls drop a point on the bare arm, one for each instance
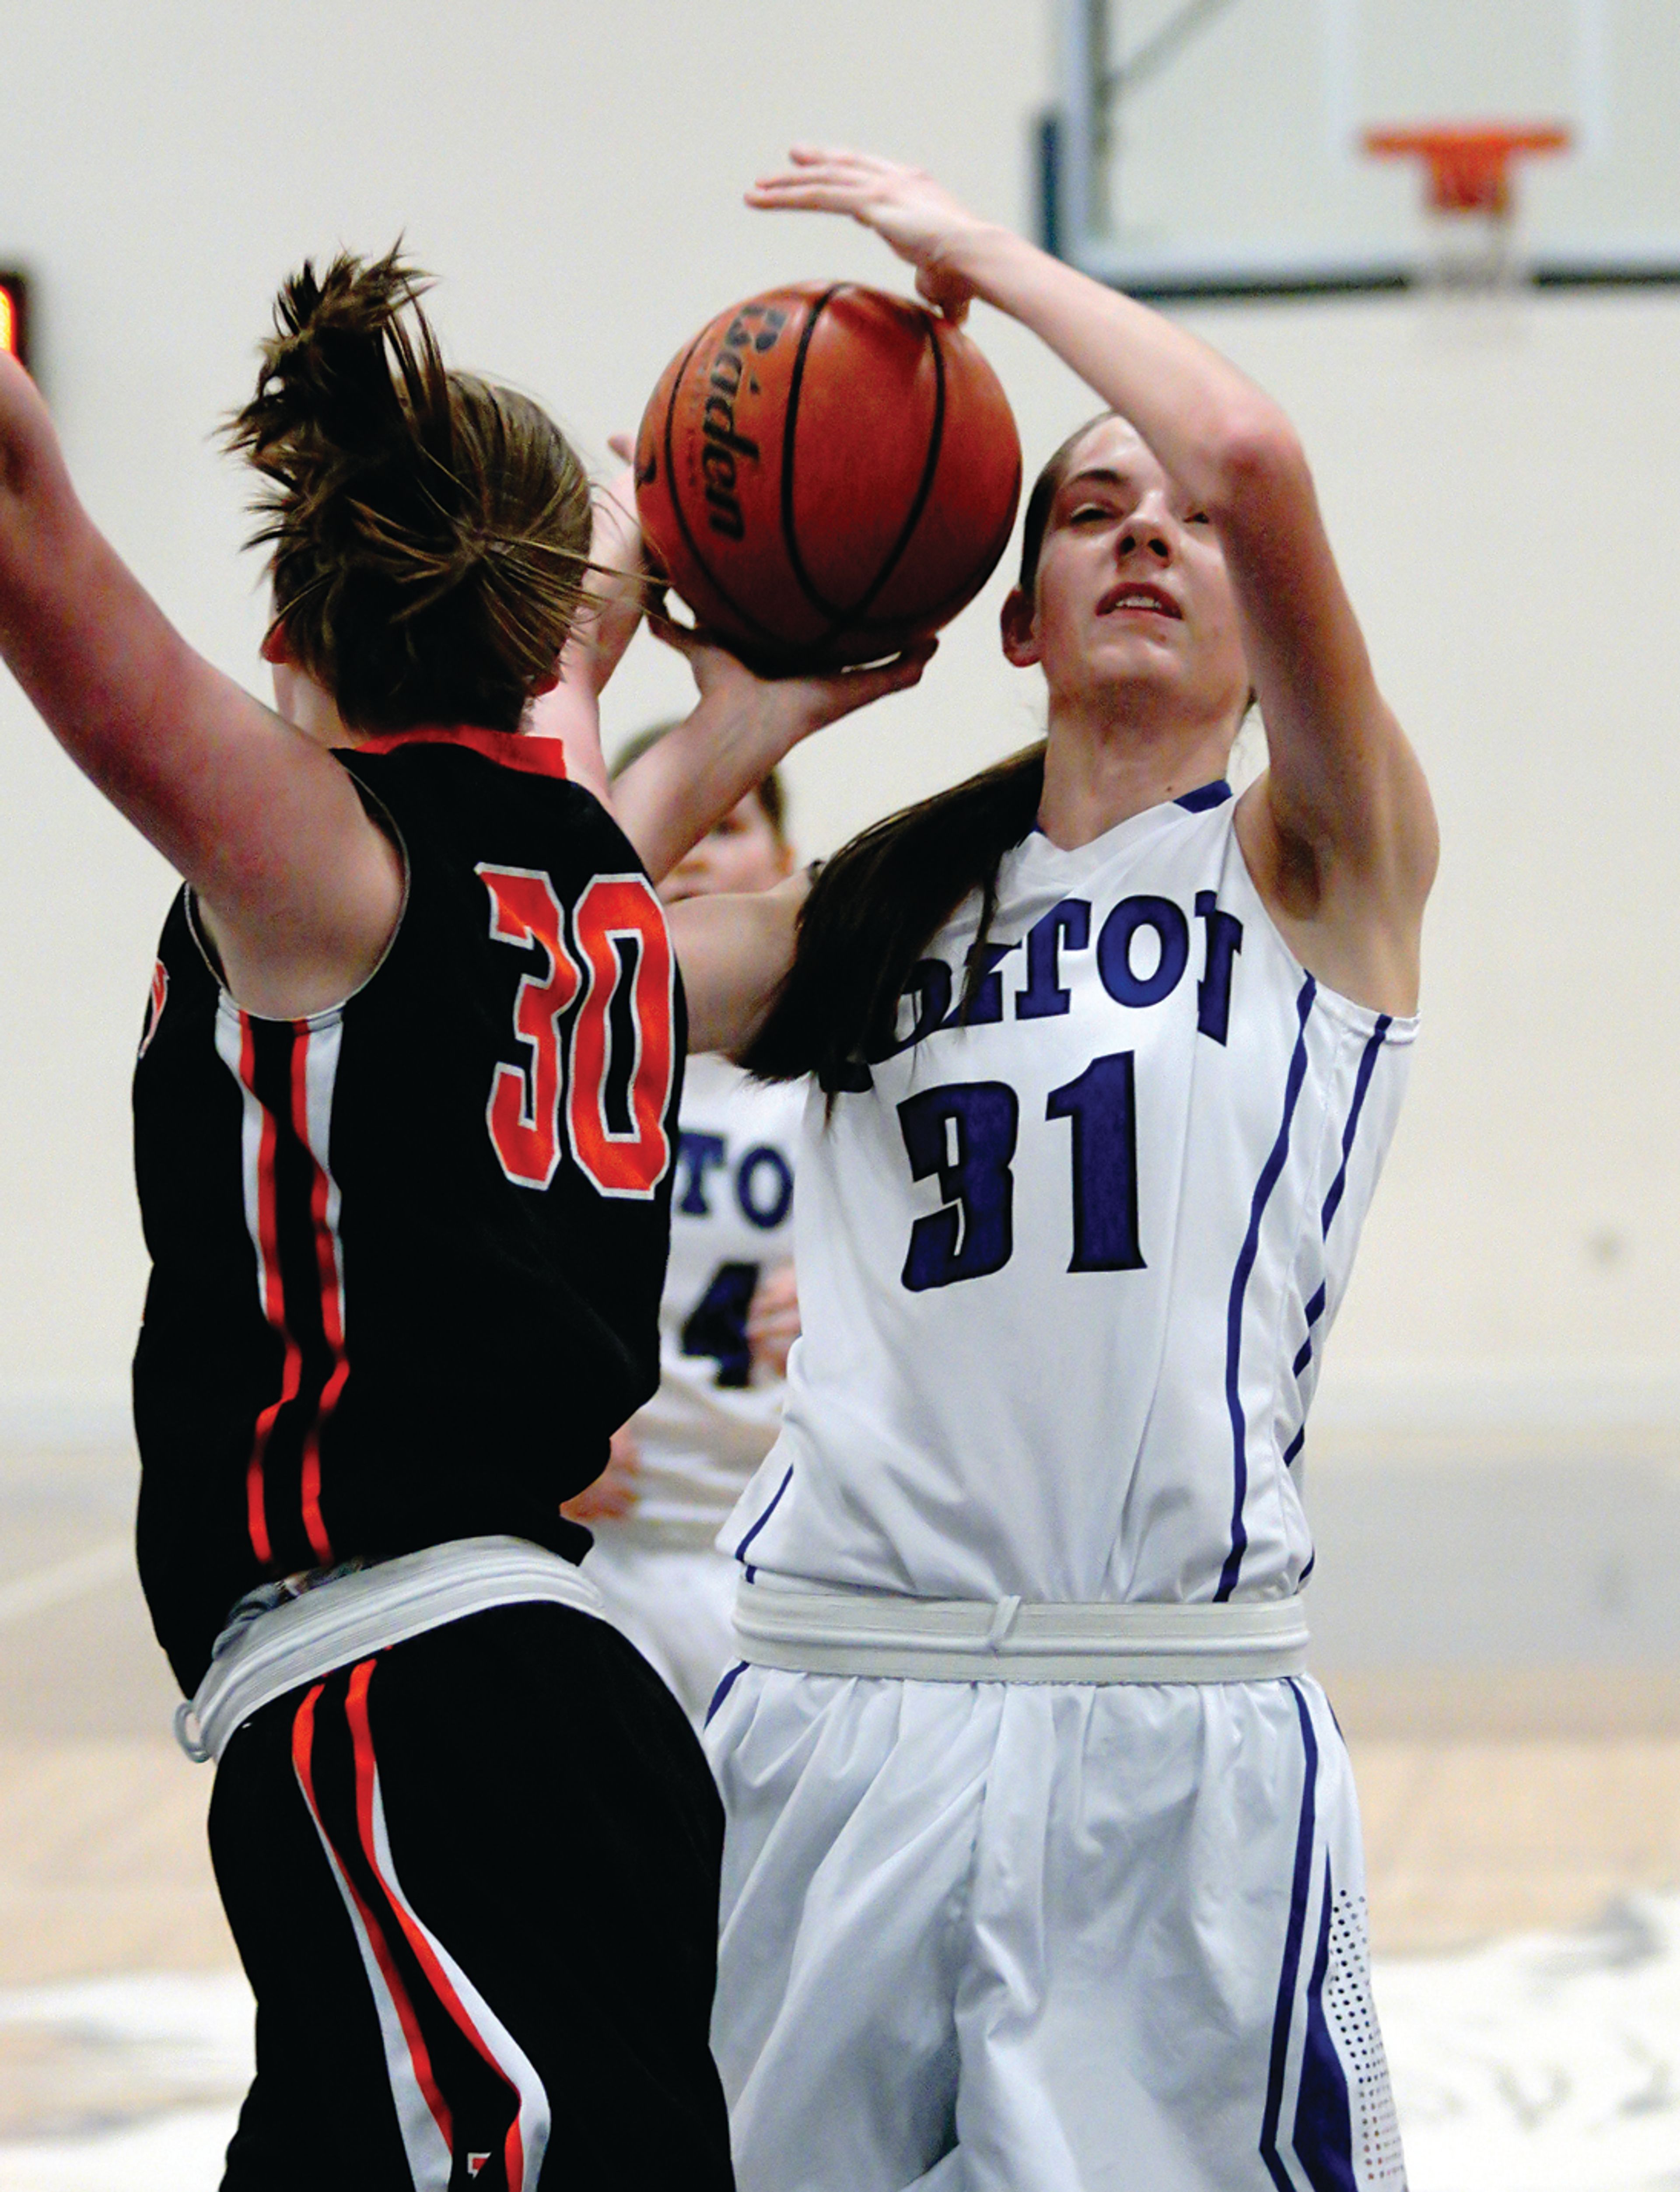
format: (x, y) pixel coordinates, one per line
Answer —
(734, 953)
(743, 726)
(303, 887)
(1340, 833)
(570, 710)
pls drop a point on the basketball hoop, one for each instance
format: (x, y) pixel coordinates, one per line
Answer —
(1469, 188)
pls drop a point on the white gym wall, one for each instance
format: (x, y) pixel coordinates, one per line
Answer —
(1501, 489)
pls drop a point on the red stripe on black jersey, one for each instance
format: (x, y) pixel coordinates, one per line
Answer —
(154, 1011)
(286, 1071)
(314, 1063)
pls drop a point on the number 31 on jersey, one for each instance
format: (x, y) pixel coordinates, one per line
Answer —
(612, 1077)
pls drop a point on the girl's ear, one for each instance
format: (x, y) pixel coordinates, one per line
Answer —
(274, 643)
(1017, 621)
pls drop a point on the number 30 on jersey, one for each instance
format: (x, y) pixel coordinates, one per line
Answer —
(613, 1077)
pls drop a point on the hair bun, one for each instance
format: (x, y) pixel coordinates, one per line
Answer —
(430, 532)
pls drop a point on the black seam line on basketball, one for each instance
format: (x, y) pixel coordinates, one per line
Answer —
(959, 595)
(855, 617)
(935, 444)
(723, 594)
(789, 425)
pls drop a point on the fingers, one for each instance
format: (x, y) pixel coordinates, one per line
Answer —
(844, 157)
(776, 1302)
(780, 1329)
(858, 688)
(684, 639)
(795, 194)
(826, 179)
(622, 447)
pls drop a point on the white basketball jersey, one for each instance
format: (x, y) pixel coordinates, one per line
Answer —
(1067, 1270)
(715, 1417)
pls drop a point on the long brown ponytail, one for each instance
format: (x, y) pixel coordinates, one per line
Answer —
(430, 532)
(875, 908)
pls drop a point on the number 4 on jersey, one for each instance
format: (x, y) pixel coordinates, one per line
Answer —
(716, 1325)
(617, 1082)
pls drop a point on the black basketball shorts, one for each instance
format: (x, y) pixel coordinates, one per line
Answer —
(473, 1880)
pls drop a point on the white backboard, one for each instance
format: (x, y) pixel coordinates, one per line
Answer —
(1213, 146)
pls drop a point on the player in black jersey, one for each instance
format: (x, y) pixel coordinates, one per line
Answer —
(404, 1113)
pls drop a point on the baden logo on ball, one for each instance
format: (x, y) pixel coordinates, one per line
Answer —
(826, 473)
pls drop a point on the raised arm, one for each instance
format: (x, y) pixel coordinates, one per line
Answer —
(734, 951)
(570, 710)
(1340, 833)
(743, 726)
(302, 888)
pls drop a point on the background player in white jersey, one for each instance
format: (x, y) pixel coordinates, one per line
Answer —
(729, 1315)
(1043, 1868)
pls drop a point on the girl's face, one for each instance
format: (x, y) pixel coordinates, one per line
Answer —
(1132, 595)
(742, 853)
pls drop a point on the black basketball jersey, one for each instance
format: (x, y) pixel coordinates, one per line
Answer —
(407, 1253)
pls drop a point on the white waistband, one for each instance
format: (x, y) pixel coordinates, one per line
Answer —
(259, 1658)
(663, 1533)
(967, 1640)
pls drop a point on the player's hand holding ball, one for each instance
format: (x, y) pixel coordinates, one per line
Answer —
(828, 473)
(779, 711)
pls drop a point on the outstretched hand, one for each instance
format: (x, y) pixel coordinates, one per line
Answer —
(906, 208)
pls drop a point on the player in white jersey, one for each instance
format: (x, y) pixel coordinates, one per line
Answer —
(1044, 1870)
(727, 1318)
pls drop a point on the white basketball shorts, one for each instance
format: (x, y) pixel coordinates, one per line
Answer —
(998, 1937)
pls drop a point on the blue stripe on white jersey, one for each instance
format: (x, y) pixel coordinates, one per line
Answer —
(1315, 1306)
(1239, 1286)
(1067, 1262)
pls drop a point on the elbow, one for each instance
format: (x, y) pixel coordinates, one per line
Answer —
(1258, 463)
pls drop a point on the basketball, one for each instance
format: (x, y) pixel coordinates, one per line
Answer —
(826, 473)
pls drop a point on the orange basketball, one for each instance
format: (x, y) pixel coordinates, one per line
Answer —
(825, 472)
